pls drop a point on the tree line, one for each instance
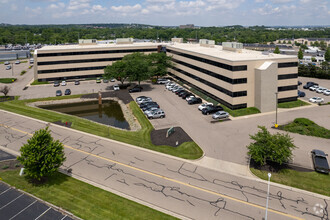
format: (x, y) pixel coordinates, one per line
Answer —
(61, 34)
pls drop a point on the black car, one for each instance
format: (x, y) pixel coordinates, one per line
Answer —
(67, 92)
(77, 82)
(299, 83)
(182, 93)
(58, 92)
(186, 95)
(147, 103)
(150, 106)
(195, 101)
(320, 161)
(301, 94)
(310, 84)
(211, 109)
(135, 89)
(56, 83)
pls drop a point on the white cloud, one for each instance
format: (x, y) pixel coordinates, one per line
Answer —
(127, 8)
(33, 11)
(259, 1)
(281, 1)
(78, 4)
(223, 4)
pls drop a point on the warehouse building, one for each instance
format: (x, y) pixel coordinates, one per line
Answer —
(231, 75)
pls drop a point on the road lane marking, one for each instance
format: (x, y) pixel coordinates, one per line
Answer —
(167, 178)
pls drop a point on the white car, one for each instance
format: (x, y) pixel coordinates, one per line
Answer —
(204, 105)
(176, 89)
(116, 87)
(173, 87)
(63, 83)
(162, 81)
(320, 89)
(326, 92)
(149, 110)
(189, 97)
(144, 100)
(170, 86)
(313, 88)
(316, 99)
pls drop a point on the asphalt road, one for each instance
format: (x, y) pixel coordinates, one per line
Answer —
(170, 184)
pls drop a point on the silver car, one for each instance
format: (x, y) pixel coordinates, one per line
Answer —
(157, 113)
(147, 99)
(220, 115)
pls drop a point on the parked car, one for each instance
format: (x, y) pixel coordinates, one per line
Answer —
(116, 87)
(220, 115)
(195, 100)
(211, 109)
(141, 97)
(204, 105)
(144, 104)
(151, 105)
(299, 83)
(112, 80)
(320, 89)
(158, 113)
(58, 92)
(56, 83)
(149, 110)
(105, 80)
(173, 87)
(98, 80)
(63, 83)
(6, 63)
(8, 67)
(17, 62)
(186, 95)
(301, 94)
(326, 92)
(316, 99)
(313, 88)
(162, 81)
(67, 92)
(189, 97)
(309, 84)
(77, 82)
(178, 91)
(320, 161)
(170, 85)
(135, 89)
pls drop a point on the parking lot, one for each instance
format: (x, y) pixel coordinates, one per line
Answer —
(15, 71)
(309, 94)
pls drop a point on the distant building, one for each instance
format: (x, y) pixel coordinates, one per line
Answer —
(186, 26)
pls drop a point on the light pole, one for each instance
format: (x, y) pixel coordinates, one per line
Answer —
(269, 175)
(276, 125)
(12, 69)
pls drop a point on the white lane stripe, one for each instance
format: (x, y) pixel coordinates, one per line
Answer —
(42, 213)
(5, 191)
(11, 201)
(64, 217)
(23, 209)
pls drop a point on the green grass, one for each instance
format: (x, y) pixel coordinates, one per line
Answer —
(82, 199)
(141, 138)
(310, 181)
(234, 113)
(36, 82)
(292, 104)
(307, 127)
(7, 80)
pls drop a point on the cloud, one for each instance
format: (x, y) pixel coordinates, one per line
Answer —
(223, 4)
(259, 1)
(32, 12)
(281, 1)
(78, 4)
(127, 8)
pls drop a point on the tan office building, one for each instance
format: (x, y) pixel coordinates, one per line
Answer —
(231, 75)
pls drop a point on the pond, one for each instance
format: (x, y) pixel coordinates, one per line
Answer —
(109, 113)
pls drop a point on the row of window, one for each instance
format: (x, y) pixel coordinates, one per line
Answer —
(233, 107)
(211, 62)
(288, 64)
(288, 99)
(78, 61)
(71, 69)
(287, 88)
(288, 76)
(69, 78)
(210, 73)
(225, 91)
(96, 52)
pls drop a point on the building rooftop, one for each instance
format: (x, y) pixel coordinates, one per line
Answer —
(218, 52)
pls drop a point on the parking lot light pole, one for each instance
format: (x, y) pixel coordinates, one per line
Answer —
(269, 175)
(276, 125)
(12, 69)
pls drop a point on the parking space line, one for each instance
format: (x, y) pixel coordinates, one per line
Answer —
(5, 191)
(64, 217)
(23, 209)
(12, 201)
(43, 213)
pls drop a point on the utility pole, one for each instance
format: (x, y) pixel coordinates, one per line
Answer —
(269, 175)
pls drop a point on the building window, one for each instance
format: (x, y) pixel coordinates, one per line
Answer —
(71, 69)
(289, 64)
(288, 76)
(286, 88)
(211, 62)
(78, 61)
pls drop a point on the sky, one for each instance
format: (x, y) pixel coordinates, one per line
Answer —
(167, 12)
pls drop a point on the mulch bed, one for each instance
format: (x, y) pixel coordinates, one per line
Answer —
(65, 124)
(158, 137)
(10, 165)
(275, 168)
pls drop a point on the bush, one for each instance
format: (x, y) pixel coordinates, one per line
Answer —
(23, 72)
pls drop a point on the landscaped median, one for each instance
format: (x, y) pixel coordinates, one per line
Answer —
(7, 80)
(293, 104)
(141, 138)
(81, 199)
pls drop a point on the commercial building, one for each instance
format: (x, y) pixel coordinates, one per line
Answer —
(231, 75)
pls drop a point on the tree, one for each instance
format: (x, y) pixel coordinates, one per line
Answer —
(41, 156)
(313, 59)
(275, 148)
(300, 54)
(5, 90)
(159, 64)
(137, 66)
(327, 55)
(116, 70)
(277, 50)
(323, 45)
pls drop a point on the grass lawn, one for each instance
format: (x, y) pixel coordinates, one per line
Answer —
(292, 104)
(7, 80)
(307, 127)
(36, 82)
(82, 199)
(234, 113)
(310, 181)
(141, 138)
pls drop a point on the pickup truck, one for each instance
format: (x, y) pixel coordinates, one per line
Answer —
(320, 161)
